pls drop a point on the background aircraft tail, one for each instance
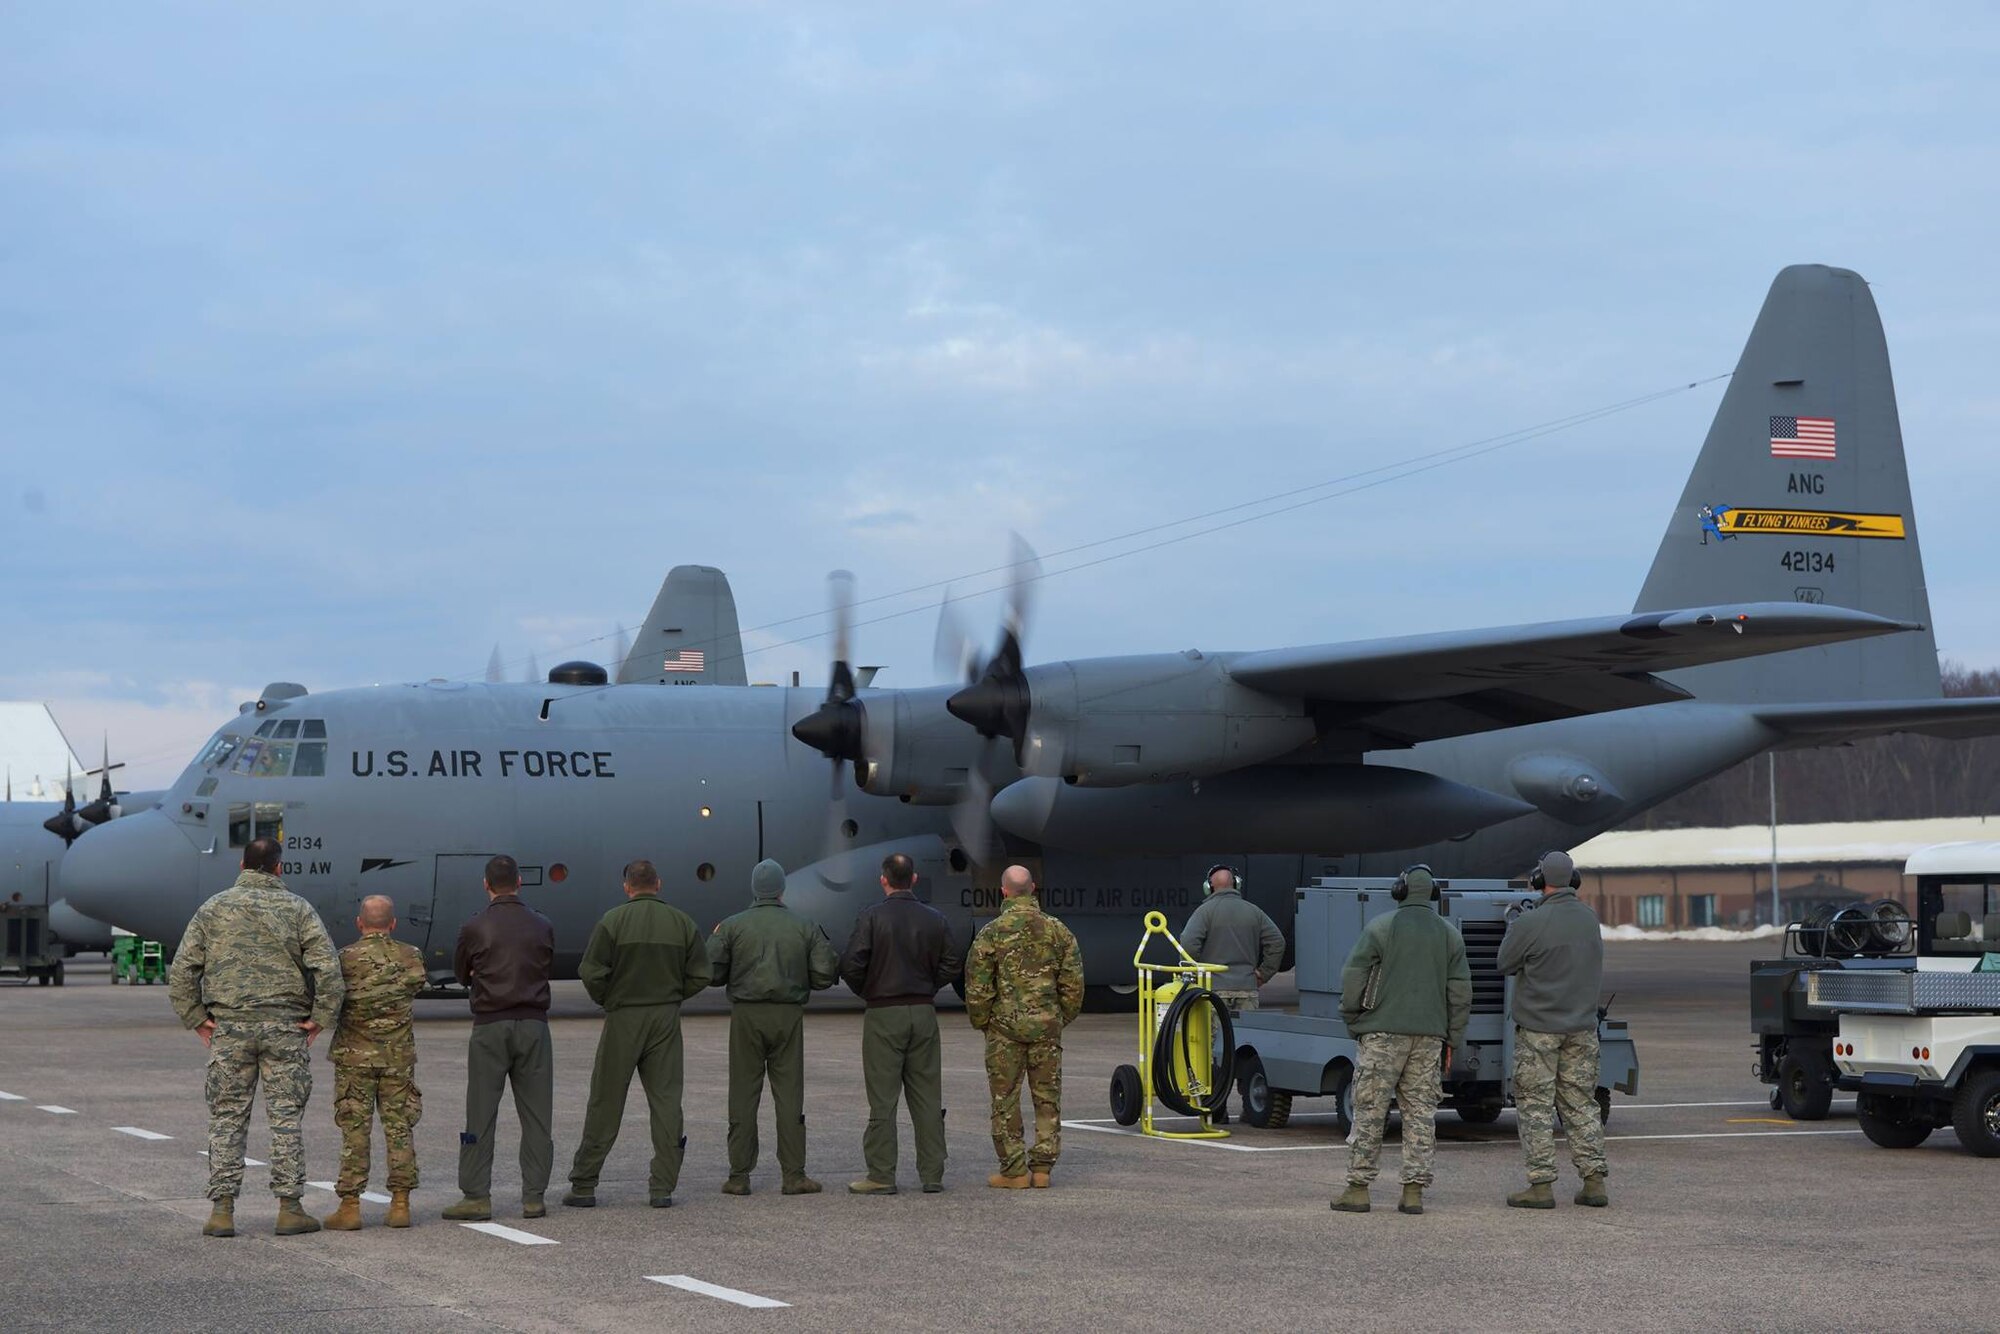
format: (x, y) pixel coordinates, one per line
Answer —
(1801, 493)
(690, 636)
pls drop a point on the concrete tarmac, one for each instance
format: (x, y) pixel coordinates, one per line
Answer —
(1724, 1215)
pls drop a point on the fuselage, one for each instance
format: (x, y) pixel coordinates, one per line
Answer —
(407, 790)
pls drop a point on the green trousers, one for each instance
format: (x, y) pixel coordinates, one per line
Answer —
(901, 1052)
(517, 1052)
(767, 1036)
(645, 1039)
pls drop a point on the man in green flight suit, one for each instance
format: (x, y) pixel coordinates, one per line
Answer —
(1023, 984)
(644, 958)
(374, 1055)
(770, 959)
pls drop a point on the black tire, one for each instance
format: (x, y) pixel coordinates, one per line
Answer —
(1777, 1098)
(1478, 1113)
(1805, 1085)
(1128, 1095)
(1891, 1122)
(59, 973)
(1264, 1107)
(1343, 1101)
(41, 979)
(1975, 1114)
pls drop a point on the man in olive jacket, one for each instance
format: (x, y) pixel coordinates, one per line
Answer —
(1555, 955)
(1406, 995)
(770, 959)
(644, 958)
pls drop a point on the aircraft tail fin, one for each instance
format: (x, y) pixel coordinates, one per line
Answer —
(690, 636)
(1801, 493)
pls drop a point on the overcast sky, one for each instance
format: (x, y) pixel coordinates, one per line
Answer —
(339, 344)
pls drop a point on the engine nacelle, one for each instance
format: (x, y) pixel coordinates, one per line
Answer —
(1112, 722)
(917, 751)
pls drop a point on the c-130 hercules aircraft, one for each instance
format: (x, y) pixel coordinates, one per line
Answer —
(1785, 607)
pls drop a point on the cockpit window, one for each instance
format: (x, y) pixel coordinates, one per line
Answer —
(314, 730)
(276, 760)
(311, 761)
(246, 762)
(287, 727)
(261, 819)
(267, 727)
(221, 751)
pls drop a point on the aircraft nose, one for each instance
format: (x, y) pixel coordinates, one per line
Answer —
(137, 872)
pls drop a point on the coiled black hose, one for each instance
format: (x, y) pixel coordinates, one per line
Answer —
(1173, 1036)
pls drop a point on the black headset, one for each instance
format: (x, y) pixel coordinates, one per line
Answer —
(1208, 878)
(1402, 889)
(1540, 882)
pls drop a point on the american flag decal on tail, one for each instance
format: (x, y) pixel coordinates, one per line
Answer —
(686, 660)
(1802, 437)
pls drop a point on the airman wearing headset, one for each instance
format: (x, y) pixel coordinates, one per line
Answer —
(1556, 957)
(1406, 996)
(1228, 929)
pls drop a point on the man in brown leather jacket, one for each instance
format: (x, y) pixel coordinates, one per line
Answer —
(505, 954)
(901, 952)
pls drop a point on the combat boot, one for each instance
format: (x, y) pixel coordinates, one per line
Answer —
(1592, 1193)
(1537, 1196)
(802, 1186)
(736, 1186)
(580, 1197)
(221, 1218)
(1040, 1176)
(1412, 1201)
(870, 1186)
(1000, 1181)
(534, 1206)
(471, 1209)
(399, 1209)
(347, 1218)
(1353, 1200)
(294, 1221)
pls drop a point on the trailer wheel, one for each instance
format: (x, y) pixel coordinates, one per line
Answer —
(1343, 1101)
(1975, 1114)
(59, 972)
(1804, 1089)
(1478, 1113)
(1891, 1123)
(1128, 1095)
(1264, 1107)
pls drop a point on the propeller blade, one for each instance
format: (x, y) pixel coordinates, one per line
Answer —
(972, 818)
(621, 649)
(496, 671)
(954, 652)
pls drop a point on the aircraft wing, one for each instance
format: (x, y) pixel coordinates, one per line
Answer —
(1423, 687)
(1836, 724)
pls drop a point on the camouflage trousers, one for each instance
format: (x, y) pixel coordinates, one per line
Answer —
(241, 1054)
(1404, 1067)
(358, 1092)
(1040, 1063)
(1238, 1001)
(1557, 1072)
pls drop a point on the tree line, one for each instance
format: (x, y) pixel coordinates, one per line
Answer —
(1887, 778)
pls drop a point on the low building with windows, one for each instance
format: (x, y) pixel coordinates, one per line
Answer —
(1670, 879)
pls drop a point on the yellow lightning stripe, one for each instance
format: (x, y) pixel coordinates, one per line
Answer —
(1735, 522)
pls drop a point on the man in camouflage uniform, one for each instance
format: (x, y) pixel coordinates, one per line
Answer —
(771, 959)
(1556, 957)
(255, 977)
(374, 1056)
(1023, 984)
(1406, 996)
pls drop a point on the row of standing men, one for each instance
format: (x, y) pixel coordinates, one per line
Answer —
(256, 977)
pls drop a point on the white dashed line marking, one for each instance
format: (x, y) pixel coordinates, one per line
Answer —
(55, 1110)
(373, 1197)
(11, 1097)
(136, 1133)
(512, 1234)
(687, 1284)
(247, 1162)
